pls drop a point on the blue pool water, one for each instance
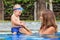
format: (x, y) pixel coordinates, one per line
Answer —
(34, 36)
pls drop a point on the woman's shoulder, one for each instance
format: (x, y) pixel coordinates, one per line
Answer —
(51, 28)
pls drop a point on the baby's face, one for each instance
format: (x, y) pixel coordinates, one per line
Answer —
(18, 12)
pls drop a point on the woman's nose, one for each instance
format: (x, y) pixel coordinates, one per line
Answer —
(40, 17)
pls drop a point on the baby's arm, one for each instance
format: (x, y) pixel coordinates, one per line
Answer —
(15, 21)
(24, 26)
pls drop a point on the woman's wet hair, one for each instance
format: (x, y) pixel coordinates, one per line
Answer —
(48, 19)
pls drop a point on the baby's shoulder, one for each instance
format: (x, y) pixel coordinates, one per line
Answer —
(13, 17)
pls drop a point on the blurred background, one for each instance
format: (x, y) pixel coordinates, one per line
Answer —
(31, 8)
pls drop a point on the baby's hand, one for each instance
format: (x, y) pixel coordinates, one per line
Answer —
(21, 23)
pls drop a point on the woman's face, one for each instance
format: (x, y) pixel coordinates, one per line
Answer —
(41, 17)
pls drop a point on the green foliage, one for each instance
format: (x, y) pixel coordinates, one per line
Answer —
(56, 0)
(8, 6)
(28, 6)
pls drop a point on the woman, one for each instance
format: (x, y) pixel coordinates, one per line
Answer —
(48, 25)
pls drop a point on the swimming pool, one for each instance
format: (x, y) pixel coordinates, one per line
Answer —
(34, 36)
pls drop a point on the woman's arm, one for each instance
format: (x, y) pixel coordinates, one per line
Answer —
(50, 30)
